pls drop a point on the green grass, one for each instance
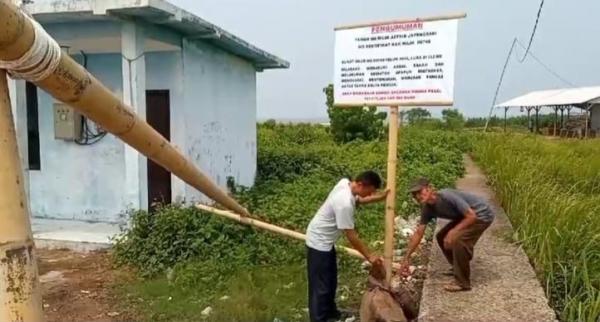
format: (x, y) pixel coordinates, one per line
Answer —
(551, 191)
(256, 294)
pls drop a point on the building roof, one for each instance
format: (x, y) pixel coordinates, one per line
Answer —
(556, 97)
(159, 12)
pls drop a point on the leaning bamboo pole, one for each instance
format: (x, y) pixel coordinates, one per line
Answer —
(20, 290)
(249, 221)
(72, 84)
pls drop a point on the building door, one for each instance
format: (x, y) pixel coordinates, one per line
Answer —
(158, 116)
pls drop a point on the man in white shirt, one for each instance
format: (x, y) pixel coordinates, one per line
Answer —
(336, 215)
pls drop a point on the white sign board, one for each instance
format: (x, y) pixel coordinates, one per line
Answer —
(399, 63)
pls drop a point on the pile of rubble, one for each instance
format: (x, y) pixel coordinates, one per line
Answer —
(413, 283)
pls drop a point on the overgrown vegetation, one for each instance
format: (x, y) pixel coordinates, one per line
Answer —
(451, 119)
(521, 121)
(189, 259)
(348, 124)
(551, 191)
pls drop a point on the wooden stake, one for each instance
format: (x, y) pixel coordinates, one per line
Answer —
(20, 294)
(72, 84)
(390, 204)
(272, 228)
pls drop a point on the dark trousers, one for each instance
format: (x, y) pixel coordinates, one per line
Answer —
(322, 284)
(460, 254)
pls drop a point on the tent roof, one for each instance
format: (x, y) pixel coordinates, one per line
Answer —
(554, 97)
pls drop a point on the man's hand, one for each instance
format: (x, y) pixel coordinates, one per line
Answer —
(381, 195)
(245, 213)
(450, 238)
(413, 243)
(404, 267)
(375, 259)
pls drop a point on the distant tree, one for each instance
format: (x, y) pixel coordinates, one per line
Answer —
(347, 124)
(519, 121)
(413, 116)
(270, 124)
(453, 118)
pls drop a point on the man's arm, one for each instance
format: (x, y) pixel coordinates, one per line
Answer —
(373, 198)
(414, 242)
(357, 244)
(469, 219)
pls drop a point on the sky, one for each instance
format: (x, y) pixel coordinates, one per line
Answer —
(301, 31)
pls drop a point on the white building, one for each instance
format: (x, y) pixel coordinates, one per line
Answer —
(191, 80)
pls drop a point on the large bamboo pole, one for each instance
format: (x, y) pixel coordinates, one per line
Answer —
(390, 203)
(20, 297)
(72, 84)
(272, 228)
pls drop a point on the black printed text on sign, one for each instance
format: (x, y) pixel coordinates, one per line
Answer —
(407, 63)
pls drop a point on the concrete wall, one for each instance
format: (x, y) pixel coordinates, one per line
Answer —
(220, 114)
(79, 182)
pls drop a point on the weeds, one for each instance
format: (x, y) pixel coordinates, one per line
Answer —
(550, 189)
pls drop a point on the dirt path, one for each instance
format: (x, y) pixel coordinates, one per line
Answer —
(77, 287)
(505, 287)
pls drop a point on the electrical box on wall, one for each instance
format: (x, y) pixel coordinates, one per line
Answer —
(67, 123)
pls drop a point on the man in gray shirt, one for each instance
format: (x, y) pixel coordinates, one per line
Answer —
(469, 217)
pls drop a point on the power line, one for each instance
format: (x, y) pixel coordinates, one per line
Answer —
(537, 20)
(527, 53)
(546, 67)
(512, 47)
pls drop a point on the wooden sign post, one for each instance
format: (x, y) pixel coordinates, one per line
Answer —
(396, 63)
(390, 202)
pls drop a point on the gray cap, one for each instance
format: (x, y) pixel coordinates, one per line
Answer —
(418, 185)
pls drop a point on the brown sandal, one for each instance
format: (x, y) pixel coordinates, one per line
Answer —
(453, 288)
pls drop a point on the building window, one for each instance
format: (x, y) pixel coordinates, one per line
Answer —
(33, 131)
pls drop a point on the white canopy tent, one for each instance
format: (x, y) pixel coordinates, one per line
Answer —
(585, 98)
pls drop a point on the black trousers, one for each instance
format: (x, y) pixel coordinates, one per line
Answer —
(322, 284)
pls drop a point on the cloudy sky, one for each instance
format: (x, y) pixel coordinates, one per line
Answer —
(301, 31)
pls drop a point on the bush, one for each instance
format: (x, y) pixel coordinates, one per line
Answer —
(454, 119)
(298, 165)
(156, 242)
(416, 115)
(348, 124)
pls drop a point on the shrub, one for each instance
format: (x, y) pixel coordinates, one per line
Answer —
(348, 124)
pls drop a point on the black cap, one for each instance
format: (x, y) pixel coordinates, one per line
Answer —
(418, 185)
